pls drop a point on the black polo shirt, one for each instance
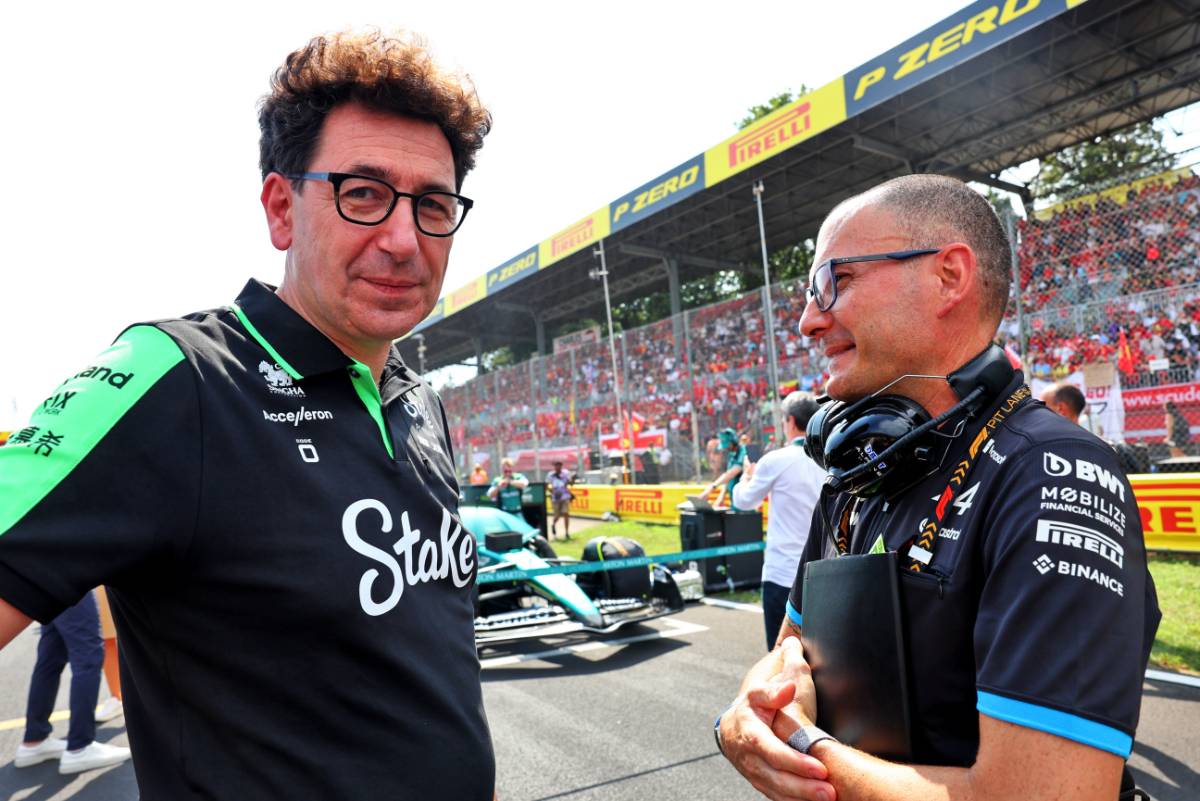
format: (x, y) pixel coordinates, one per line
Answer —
(290, 581)
(1037, 607)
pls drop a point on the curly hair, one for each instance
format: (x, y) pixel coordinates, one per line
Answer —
(394, 74)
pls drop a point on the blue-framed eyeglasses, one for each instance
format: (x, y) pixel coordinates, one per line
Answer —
(823, 287)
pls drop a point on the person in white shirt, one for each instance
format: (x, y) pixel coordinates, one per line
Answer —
(794, 482)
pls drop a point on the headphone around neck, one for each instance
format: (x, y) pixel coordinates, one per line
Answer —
(880, 443)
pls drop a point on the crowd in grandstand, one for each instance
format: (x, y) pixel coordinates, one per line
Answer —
(1118, 268)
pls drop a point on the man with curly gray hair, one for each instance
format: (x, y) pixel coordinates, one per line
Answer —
(266, 488)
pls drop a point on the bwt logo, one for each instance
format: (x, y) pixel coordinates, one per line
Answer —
(645, 502)
(1081, 537)
(572, 238)
(768, 137)
(1057, 466)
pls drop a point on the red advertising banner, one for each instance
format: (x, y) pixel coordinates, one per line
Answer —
(1146, 410)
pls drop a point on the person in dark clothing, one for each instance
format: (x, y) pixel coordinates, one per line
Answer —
(1023, 595)
(73, 637)
(267, 489)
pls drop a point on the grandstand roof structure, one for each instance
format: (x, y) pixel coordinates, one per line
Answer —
(992, 86)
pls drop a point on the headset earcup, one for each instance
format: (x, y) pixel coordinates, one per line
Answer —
(851, 443)
(816, 432)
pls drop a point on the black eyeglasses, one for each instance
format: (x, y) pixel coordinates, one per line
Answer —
(368, 201)
(823, 288)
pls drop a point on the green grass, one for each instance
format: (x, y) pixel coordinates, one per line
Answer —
(655, 539)
(1177, 579)
(1177, 646)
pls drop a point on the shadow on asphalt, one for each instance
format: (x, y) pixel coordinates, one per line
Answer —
(627, 777)
(43, 782)
(571, 664)
(1175, 692)
(1179, 774)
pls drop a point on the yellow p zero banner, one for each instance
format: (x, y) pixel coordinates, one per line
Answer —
(465, 295)
(588, 231)
(1170, 507)
(801, 119)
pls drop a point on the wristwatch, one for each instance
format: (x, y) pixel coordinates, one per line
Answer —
(805, 737)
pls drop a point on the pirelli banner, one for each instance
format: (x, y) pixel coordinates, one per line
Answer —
(1169, 505)
(648, 503)
(979, 27)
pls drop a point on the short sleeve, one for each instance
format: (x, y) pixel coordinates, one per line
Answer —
(813, 550)
(103, 479)
(1067, 612)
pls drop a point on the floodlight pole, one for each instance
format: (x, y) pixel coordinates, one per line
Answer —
(602, 273)
(1011, 224)
(420, 351)
(769, 318)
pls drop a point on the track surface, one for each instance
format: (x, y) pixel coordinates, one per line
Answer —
(628, 716)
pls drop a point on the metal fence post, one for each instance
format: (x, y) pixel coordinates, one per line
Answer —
(533, 398)
(691, 387)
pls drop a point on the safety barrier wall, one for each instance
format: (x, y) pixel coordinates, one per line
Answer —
(1169, 505)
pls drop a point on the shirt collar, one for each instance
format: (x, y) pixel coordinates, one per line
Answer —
(295, 345)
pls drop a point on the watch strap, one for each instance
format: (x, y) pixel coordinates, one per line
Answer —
(805, 737)
(717, 730)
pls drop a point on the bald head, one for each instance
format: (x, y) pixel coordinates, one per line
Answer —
(1066, 399)
(933, 210)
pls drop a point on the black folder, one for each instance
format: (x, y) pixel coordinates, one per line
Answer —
(854, 643)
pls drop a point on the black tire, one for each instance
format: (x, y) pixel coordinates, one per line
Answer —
(543, 548)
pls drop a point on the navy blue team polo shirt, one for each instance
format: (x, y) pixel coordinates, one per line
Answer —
(290, 581)
(1037, 608)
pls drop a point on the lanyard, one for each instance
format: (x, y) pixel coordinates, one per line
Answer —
(920, 552)
(920, 548)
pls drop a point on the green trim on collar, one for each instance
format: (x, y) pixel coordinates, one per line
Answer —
(282, 362)
(368, 393)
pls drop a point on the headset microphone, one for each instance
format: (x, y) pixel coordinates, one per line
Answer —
(879, 443)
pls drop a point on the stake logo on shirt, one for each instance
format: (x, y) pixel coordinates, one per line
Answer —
(451, 555)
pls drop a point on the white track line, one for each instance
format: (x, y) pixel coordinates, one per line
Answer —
(678, 628)
(732, 605)
(1174, 678)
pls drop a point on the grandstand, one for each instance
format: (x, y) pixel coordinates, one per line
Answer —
(1109, 278)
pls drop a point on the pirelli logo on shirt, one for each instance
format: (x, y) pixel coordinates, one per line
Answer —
(1082, 538)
